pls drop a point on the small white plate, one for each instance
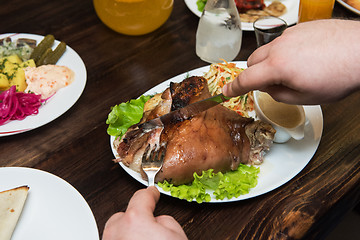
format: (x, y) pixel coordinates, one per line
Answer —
(58, 104)
(290, 17)
(282, 162)
(348, 6)
(53, 209)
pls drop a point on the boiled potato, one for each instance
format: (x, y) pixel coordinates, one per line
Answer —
(9, 71)
(14, 59)
(28, 63)
(18, 80)
(9, 68)
(12, 71)
(4, 83)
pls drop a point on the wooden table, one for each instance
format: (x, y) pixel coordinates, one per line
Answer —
(76, 146)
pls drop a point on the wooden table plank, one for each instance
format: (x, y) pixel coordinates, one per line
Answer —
(76, 146)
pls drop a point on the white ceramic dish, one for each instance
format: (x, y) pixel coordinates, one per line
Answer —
(283, 161)
(57, 105)
(282, 134)
(290, 17)
(351, 8)
(53, 209)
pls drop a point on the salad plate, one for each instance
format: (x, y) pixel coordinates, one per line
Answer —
(53, 209)
(58, 104)
(282, 163)
(290, 17)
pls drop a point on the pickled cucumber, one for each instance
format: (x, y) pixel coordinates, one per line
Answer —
(55, 55)
(42, 47)
(43, 57)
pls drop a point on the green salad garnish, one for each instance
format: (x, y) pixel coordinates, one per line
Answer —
(125, 115)
(201, 4)
(221, 185)
(224, 185)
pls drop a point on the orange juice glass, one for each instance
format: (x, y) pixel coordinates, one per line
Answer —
(315, 9)
(133, 17)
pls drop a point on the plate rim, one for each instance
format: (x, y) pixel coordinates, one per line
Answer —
(17, 126)
(248, 26)
(349, 7)
(28, 172)
(241, 64)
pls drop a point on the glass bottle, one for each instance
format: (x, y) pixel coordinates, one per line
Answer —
(219, 32)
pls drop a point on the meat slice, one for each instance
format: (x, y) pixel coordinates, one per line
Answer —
(245, 5)
(218, 138)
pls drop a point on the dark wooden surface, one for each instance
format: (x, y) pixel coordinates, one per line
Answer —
(76, 146)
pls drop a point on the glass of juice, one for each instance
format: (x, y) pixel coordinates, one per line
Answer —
(312, 10)
(133, 17)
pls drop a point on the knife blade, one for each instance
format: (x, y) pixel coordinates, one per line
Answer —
(184, 113)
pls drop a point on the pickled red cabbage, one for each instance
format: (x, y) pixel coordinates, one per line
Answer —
(18, 105)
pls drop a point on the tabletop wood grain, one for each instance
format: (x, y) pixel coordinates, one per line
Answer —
(76, 146)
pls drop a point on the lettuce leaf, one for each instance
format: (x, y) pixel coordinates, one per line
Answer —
(201, 4)
(125, 115)
(224, 185)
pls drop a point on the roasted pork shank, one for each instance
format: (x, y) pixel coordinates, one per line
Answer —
(218, 138)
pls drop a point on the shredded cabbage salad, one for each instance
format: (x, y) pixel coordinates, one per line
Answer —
(223, 73)
(17, 105)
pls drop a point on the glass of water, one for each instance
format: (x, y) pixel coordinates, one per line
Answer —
(219, 33)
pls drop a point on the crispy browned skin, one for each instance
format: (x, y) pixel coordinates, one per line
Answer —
(215, 139)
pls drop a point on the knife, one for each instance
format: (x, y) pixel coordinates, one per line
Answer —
(184, 113)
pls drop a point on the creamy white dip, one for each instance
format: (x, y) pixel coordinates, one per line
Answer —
(47, 79)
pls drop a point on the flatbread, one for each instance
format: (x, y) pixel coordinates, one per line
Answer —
(11, 205)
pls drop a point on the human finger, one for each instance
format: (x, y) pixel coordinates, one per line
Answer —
(255, 77)
(170, 223)
(284, 94)
(292, 96)
(258, 55)
(112, 223)
(114, 218)
(144, 201)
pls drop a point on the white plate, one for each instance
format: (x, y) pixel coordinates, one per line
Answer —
(53, 209)
(290, 17)
(57, 105)
(282, 162)
(351, 8)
